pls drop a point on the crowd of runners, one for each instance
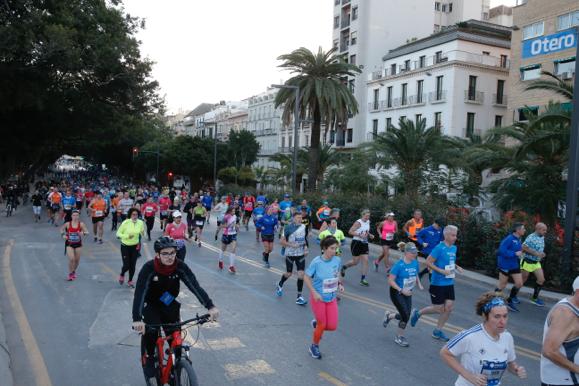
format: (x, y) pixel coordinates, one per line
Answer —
(480, 355)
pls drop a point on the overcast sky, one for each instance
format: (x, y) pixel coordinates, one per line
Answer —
(212, 50)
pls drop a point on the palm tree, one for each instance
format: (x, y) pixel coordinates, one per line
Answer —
(412, 148)
(324, 97)
(555, 84)
(328, 157)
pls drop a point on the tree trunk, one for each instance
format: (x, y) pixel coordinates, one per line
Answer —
(314, 153)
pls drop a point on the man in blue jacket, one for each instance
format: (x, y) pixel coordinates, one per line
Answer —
(428, 238)
(510, 250)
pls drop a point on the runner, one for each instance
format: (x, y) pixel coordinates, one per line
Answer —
(323, 215)
(258, 213)
(78, 195)
(164, 203)
(36, 205)
(442, 263)
(88, 196)
(266, 225)
(207, 204)
(97, 207)
(486, 350)
(125, 204)
(261, 197)
(220, 210)
(402, 279)
(116, 211)
(428, 238)
(55, 199)
(508, 255)
(71, 233)
(130, 233)
(248, 205)
(150, 210)
(560, 356)
(413, 226)
(387, 230)
(199, 217)
(333, 231)
(177, 230)
(188, 208)
(306, 221)
(323, 280)
(533, 254)
(230, 228)
(294, 242)
(68, 204)
(285, 214)
(360, 231)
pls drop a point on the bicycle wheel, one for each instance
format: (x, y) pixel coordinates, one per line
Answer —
(184, 373)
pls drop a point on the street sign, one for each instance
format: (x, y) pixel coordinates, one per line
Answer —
(549, 44)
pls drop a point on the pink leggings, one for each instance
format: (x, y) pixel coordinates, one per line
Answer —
(326, 315)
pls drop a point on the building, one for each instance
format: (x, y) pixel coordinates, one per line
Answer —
(455, 79)
(265, 122)
(544, 39)
(366, 29)
(175, 123)
(191, 122)
(501, 15)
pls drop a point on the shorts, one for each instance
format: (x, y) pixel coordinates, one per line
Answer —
(219, 223)
(228, 239)
(198, 222)
(67, 215)
(36, 210)
(267, 238)
(388, 243)
(247, 213)
(359, 248)
(79, 205)
(530, 266)
(163, 216)
(441, 293)
(98, 219)
(207, 208)
(509, 272)
(55, 207)
(300, 262)
(73, 245)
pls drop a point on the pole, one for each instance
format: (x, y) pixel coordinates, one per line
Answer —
(157, 174)
(573, 174)
(296, 128)
(215, 156)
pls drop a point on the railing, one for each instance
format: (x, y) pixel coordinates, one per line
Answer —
(344, 2)
(437, 96)
(418, 99)
(376, 106)
(469, 132)
(345, 22)
(471, 96)
(264, 132)
(344, 45)
(500, 100)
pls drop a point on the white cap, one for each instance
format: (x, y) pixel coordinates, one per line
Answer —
(576, 284)
(177, 214)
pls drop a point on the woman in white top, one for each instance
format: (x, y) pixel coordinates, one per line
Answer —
(486, 350)
(360, 232)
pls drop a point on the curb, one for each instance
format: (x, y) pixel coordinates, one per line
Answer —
(5, 360)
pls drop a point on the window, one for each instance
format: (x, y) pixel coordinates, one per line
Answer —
(419, 91)
(532, 72)
(307, 140)
(436, 28)
(388, 123)
(375, 104)
(443, 7)
(498, 120)
(422, 61)
(438, 119)
(437, 6)
(282, 142)
(404, 96)
(393, 69)
(437, 57)
(354, 13)
(407, 65)
(354, 38)
(526, 112)
(389, 96)
(486, 53)
(504, 61)
(290, 141)
(375, 127)
(332, 136)
(449, 7)
(500, 92)
(418, 118)
(335, 44)
(533, 30)
(568, 20)
(565, 66)
(439, 83)
(352, 59)
(336, 21)
(349, 135)
(352, 86)
(337, 2)
(485, 16)
(469, 124)
(471, 88)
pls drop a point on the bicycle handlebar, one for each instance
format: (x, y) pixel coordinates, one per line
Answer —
(196, 320)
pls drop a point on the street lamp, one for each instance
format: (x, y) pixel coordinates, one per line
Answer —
(296, 127)
(137, 151)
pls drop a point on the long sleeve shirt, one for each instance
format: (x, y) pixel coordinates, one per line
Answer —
(129, 232)
(507, 258)
(430, 236)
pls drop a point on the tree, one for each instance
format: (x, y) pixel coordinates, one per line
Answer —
(555, 84)
(328, 157)
(243, 148)
(353, 176)
(324, 98)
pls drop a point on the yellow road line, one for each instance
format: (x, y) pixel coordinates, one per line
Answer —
(37, 363)
(332, 380)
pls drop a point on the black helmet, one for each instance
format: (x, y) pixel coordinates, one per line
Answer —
(164, 242)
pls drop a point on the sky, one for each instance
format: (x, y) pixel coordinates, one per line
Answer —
(206, 51)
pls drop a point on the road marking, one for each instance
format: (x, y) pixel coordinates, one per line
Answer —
(248, 369)
(37, 363)
(225, 343)
(332, 380)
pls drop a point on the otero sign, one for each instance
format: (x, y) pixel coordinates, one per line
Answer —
(549, 44)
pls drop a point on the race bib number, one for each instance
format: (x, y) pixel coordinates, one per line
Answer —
(493, 371)
(259, 216)
(164, 212)
(149, 210)
(451, 268)
(98, 213)
(330, 286)
(389, 236)
(300, 240)
(180, 243)
(199, 222)
(167, 298)
(408, 284)
(74, 237)
(67, 207)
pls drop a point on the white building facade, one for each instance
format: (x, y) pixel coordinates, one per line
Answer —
(456, 80)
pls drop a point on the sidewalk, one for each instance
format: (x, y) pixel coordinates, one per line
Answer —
(5, 362)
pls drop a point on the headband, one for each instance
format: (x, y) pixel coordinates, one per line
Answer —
(494, 302)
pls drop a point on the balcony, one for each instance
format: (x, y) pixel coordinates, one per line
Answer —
(470, 132)
(345, 21)
(500, 100)
(437, 96)
(376, 106)
(344, 45)
(474, 97)
(344, 2)
(417, 100)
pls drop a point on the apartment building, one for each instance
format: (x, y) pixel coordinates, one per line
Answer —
(456, 79)
(544, 39)
(192, 121)
(264, 121)
(366, 29)
(502, 15)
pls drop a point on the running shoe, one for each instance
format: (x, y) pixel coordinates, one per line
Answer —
(215, 237)
(70, 277)
(439, 334)
(414, 318)
(315, 351)
(343, 271)
(511, 306)
(95, 240)
(538, 302)
(278, 290)
(221, 265)
(232, 270)
(73, 275)
(266, 264)
(121, 279)
(401, 341)
(300, 301)
(376, 265)
(515, 300)
(314, 323)
(199, 244)
(364, 283)
(131, 284)
(195, 237)
(387, 318)
(100, 241)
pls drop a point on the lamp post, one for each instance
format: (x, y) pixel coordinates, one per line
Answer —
(157, 152)
(215, 156)
(296, 128)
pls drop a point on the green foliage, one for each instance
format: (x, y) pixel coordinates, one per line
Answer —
(243, 148)
(228, 174)
(352, 176)
(246, 176)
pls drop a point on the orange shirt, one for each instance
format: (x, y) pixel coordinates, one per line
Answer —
(98, 207)
(415, 227)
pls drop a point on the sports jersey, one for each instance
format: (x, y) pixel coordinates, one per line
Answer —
(325, 276)
(130, 228)
(363, 231)
(295, 234)
(324, 212)
(481, 354)
(220, 210)
(258, 213)
(73, 235)
(125, 204)
(405, 274)
(338, 234)
(262, 198)
(177, 232)
(507, 258)
(536, 242)
(207, 201)
(388, 230)
(285, 206)
(55, 198)
(445, 259)
(68, 202)
(164, 203)
(415, 227)
(149, 209)
(266, 224)
(431, 236)
(231, 224)
(98, 207)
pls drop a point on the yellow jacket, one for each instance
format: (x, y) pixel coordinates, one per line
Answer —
(129, 228)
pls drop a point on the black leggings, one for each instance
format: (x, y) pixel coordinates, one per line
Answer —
(130, 256)
(403, 304)
(150, 222)
(181, 253)
(158, 314)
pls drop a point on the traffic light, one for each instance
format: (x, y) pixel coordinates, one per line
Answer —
(135, 152)
(170, 174)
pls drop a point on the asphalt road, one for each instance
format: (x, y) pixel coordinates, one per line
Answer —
(78, 333)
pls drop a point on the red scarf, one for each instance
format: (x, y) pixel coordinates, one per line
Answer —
(163, 269)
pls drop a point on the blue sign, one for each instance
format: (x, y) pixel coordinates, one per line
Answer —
(549, 44)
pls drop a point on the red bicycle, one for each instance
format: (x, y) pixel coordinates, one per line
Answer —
(172, 364)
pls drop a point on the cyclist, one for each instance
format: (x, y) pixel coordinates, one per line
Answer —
(510, 249)
(413, 226)
(220, 210)
(387, 230)
(177, 230)
(150, 210)
(164, 203)
(402, 279)
(360, 231)
(428, 238)
(266, 225)
(68, 204)
(36, 205)
(71, 232)
(98, 207)
(158, 287)
(294, 242)
(533, 249)
(442, 263)
(486, 350)
(258, 213)
(230, 228)
(199, 217)
(323, 280)
(130, 233)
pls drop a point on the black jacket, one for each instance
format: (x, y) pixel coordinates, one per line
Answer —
(151, 286)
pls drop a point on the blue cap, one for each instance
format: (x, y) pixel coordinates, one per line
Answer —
(286, 195)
